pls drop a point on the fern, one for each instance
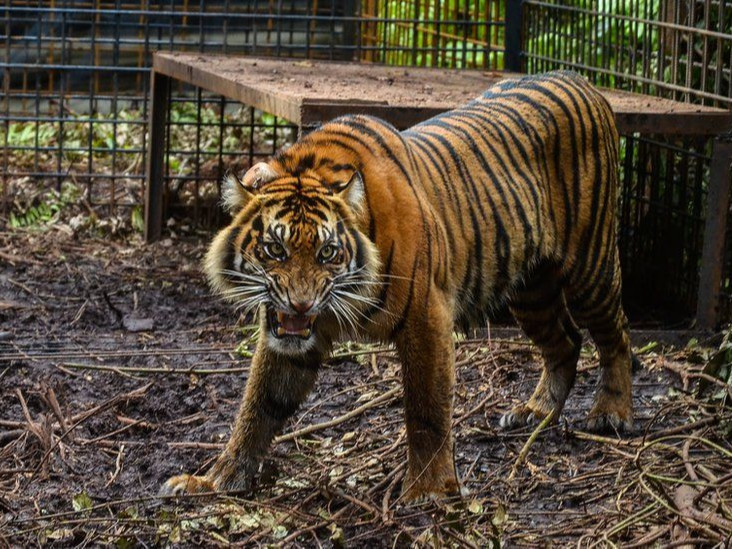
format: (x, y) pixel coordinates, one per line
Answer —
(48, 209)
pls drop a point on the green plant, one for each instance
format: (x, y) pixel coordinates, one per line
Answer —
(47, 207)
(429, 40)
(137, 219)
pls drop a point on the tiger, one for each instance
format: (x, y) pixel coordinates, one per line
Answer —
(360, 230)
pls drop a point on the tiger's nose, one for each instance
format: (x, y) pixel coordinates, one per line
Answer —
(302, 307)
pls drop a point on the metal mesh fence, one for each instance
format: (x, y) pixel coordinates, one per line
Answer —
(662, 204)
(680, 49)
(433, 33)
(75, 80)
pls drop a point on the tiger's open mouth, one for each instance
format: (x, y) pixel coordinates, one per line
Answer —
(283, 324)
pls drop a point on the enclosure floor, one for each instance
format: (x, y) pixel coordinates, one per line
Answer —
(90, 421)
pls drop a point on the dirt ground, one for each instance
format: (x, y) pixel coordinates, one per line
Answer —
(118, 369)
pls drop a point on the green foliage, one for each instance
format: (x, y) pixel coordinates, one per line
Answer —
(29, 140)
(625, 40)
(429, 41)
(23, 134)
(47, 207)
(137, 219)
(596, 41)
(650, 347)
(112, 143)
(82, 502)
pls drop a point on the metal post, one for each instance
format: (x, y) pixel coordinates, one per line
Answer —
(154, 171)
(350, 29)
(718, 201)
(514, 35)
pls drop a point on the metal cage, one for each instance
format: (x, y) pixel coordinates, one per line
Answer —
(75, 80)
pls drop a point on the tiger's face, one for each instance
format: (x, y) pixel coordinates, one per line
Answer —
(294, 249)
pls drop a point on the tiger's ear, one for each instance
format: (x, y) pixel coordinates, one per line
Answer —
(352, 191)
(236, 191)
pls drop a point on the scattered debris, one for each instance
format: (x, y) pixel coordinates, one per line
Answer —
(135, 324)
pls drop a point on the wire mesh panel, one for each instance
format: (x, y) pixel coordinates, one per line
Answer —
(75, 82)
(434, 33)
(662, 204)
(75, 79)
(680, 49)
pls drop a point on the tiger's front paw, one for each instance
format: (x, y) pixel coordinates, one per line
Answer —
(422, 492)
(186, 484)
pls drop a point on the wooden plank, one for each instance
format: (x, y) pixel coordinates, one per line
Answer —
(207, 76)
(311, 92)
(689, 123)
(155, 166)
(712, 261)
(401, 117)
(636, 113)
(282, 86)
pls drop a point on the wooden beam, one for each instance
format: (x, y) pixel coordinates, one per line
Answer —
(670, 123)
(155, 165)
(207, 76)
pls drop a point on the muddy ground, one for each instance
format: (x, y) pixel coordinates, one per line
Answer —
(118, 369)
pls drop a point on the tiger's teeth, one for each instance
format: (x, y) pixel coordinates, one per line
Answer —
(280, 331)
(304, 333)
(280, 317)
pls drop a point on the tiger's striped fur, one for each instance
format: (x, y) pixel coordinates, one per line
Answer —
(510, 197)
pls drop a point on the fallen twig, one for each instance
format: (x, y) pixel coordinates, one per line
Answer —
(78, 420)
(158, 371)
(391, 393)
(527, 446)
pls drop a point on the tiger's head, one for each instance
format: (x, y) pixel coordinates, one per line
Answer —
(294, 248)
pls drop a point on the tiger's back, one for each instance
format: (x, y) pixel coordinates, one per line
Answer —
(526, 172)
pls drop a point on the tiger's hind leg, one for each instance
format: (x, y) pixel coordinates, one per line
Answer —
(601, 312)
(540, 309)
(597, 306)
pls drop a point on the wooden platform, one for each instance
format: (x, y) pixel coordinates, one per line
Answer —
(308, 93)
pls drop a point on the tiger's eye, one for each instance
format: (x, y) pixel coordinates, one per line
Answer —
(275, 250)
(327, 253)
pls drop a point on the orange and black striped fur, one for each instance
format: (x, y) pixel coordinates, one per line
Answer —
(358, 229)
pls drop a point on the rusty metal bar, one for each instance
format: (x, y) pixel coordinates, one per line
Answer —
(155, 167)
(712, 263)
